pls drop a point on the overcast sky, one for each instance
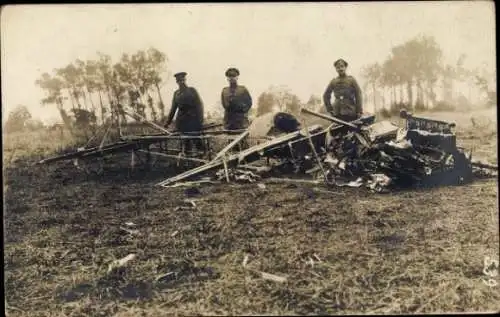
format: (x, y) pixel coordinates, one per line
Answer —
(272, 44)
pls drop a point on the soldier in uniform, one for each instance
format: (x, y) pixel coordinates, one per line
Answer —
(348, 105)
(236, 101)
(189, 107)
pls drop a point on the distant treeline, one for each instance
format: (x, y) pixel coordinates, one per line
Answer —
(86, 93)
(414, 71)
(95, 89)
(409, 78)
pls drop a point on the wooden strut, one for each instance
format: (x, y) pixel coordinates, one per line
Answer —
(192, 159)
(226, 172)
(135, 115)
(313, 149)
(105, 136)
(228, 147)
(330, 118)
(290, 180)
(95, 135)
(237, 157)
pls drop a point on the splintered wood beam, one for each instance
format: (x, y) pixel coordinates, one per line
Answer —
(192, 172)
(291, 180)
(313, 149)
(192, 159)
(205, 127)
(135, 115)
(101, 145)
(109, 150)
(280, 140)
(330, 118)
(81, 153)
(159, 138)
(237, 157)
(226, 171)
(230, 145)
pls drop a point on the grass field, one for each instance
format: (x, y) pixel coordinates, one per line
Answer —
(337, 252)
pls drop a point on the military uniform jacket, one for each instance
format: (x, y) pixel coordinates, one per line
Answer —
(236, 102)
(348, 99)
(189, 107)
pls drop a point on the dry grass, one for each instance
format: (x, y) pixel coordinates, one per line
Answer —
(348, 251)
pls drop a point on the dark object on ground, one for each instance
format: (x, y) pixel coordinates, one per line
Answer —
(286, 122)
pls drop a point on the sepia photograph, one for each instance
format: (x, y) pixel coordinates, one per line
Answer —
(241, 159)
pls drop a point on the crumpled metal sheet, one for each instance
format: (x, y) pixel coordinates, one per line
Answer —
(396, 160)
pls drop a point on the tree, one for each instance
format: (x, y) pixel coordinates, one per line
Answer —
(105, 82)
(279, 98)
(314, 103)
(53, 87)
(489, 94)
(265, 103)
(132, 81)
(414, 64)
(84, 119)
(17, 119)
(372, 73)
(69, 76)
(157, 67)
(430, 65)
(285, 100)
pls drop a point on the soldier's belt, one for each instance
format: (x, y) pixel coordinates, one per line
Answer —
(342, 98)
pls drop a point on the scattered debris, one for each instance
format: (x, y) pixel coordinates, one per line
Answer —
(378, 155)
(129, 231)
(317, 257)
(237, 175)
(194, 183)
(121, 262)
(261, 186)
(273, 277)
(186, 204)
(166, 277)
(291, 180)
(245, 260)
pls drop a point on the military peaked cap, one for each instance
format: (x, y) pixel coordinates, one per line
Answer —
(340, 60)
(180, 75)
(232, 72)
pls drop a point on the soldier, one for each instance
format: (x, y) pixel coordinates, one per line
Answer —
(348, 105)
(189, 107)
(236, 101)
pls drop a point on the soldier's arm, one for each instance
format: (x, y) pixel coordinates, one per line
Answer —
(222, 99)
(327, 96)
(246, 100)
(359, 97)
(199, 103)
(171, 114)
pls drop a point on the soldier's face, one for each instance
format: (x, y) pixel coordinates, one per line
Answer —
(181, 82)
(340, 67)
(232, 79)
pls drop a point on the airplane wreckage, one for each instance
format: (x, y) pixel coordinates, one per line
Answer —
(317, 147)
